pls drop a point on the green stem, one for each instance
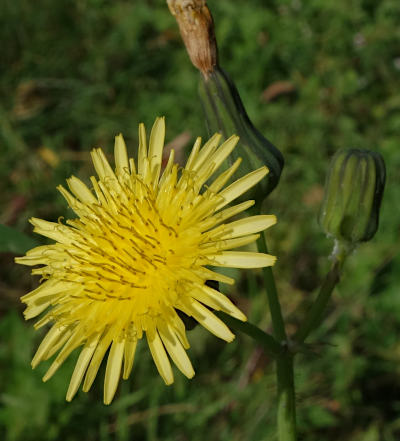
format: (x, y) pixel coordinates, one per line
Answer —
(315, 314)
(272, 295)
(286, 398)
(286, 417)
(271, 346)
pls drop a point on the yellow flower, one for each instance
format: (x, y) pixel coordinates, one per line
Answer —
(139, 251)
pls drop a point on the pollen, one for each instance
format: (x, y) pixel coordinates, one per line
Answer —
(139, 251)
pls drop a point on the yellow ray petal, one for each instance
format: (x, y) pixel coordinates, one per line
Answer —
(241, 186)
(51, 338)
(180, 330)
(81, 365)
(101, 165)
(132, 167)
(99, 194)
(121, 156)
(193, 154)
(73, 203)
(73, 342)
(49, 289)
(129, 357)
(218, 301)
(212, 275)
(228, 244)
(59, 344)
(156, 146)
(160, 357)
(34, 310)
(176, 350)
(207, 319)
(224, 177)
(33, 256)
(142, 153)
(113, 370)
(207, 150)
(247, 225)
(168, 168)
(97, 358)
(219, 156)
(225, 214)
(46, 319)
(242, 259)
(53, 230)
(80, 190)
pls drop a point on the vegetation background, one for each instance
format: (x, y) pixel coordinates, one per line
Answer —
(315, 76)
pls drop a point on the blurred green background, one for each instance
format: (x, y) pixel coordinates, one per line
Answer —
(315, 76)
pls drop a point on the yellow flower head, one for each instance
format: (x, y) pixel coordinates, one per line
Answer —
(139, 251)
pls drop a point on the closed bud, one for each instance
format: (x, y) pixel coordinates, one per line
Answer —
(353, 194)
(226, 114)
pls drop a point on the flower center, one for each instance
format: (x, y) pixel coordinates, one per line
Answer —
(129, 253)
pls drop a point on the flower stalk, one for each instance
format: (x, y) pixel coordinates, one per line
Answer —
(315, 314)
(286, 414)
(286, 418)
(272, 296)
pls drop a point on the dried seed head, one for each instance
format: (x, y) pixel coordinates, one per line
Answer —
(197, 30)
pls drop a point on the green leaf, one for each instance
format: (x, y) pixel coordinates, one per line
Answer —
(13, 241)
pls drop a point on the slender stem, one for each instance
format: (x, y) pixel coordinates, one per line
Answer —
(271, 346)
(286, 417)
(272, 295)
(317, 310)
(286, 398)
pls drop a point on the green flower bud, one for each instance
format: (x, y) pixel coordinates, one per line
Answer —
(353, 194)
(226, 114)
